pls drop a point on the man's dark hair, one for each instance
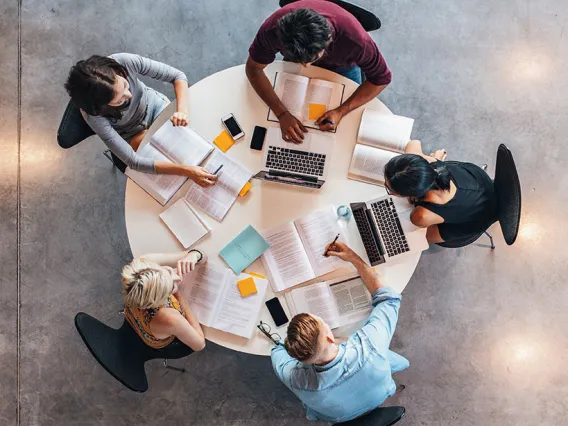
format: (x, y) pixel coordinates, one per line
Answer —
(304, 33)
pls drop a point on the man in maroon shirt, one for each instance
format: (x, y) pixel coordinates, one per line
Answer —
(321, 33)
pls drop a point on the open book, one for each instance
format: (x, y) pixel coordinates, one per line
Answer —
(297, 93)
(185, 223)
(339, 302)
(173, 144)
(380, 138)
(216, 200)
(216, 301)
(296, 249)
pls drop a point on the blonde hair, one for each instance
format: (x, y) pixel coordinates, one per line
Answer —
(302, 337)
(145, 285)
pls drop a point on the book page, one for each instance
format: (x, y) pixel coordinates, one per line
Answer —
(286, 261)
(386, 131)
(321, 92)
(291, 90)
(181, 144)
(368, 164)
(352, 299)
(184, 223)
(160, 187)
(236, 314)
(317, 230)
(216, 200)
(316, 299)
(204, 287)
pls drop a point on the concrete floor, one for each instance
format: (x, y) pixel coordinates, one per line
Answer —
(486, 332)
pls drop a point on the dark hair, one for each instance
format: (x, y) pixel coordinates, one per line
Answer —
(411, 175)
(304, 33)
(91, 85)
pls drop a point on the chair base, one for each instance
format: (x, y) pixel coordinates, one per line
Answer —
(170, 367)
(490, 239)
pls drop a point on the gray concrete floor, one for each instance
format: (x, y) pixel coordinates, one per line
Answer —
(486, 332)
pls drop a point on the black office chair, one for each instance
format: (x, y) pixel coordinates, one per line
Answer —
(382, 416)
(73, 129)
(123, 353)
(508, 191)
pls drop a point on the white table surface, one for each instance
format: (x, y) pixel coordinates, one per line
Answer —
(267, 204)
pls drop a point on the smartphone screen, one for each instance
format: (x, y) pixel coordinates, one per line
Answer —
(233, 126)
(277, 312)
(258, 138)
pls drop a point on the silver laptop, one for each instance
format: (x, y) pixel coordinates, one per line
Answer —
(386, 230)
(304, 164)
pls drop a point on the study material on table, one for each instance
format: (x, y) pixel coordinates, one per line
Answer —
(306, 97)
(185, 223)
(338, 302)
(244, 249)
(216, 200)
(172, 144)
(380, 138)
(296, 249)
(215, 299)
(247, 286)
(224, 141)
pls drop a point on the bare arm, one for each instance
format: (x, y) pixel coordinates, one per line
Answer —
(189, 315)
(174, 259)
(171, 322)
(196, 173)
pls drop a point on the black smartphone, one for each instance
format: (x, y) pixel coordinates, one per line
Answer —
(276, 311)
(257, 138)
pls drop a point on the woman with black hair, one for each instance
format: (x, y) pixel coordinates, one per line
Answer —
(120, 108)
(454, 200)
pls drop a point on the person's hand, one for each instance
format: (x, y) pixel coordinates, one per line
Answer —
(332, 116)
(440, 154)
(292, 128)
(201, 176)
(342, 251)
(179, 119)
(187, 263)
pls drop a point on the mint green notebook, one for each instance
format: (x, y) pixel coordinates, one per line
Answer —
(244, 249)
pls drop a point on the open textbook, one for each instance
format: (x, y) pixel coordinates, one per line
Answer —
(216, 301)
(296, 249)
(216, 200)
(297, 93)
(185, 223)
(380, 138)
(338, 302)
(172, 144)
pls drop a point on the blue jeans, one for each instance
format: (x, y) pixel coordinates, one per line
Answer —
(352, 73)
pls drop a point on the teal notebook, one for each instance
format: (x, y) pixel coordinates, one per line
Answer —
(244, 249)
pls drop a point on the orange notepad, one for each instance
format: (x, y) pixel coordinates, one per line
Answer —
(247, 287)
(224, 141)
(315, 111)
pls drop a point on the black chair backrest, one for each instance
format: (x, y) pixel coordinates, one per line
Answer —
(122, 352)
(508, 191)
(73, 128)
(367, 19)
(382, 416)
(461, 242)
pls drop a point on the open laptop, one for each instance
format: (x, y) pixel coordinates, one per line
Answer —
(304, 164)
(386, 230)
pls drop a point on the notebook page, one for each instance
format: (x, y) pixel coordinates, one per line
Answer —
(368, 163)
(385, 131)
(321, 92)
(291, 90)
(286, 261)
(184, 223)
(181, 144)
(236, 314)
(316, 299)
(317, 230)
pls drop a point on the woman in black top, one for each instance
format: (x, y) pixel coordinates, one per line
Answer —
(454, 200)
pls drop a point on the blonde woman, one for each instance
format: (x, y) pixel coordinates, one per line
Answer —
(154, 307)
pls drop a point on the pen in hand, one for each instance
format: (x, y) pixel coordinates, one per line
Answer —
(331, 245)
(218, 169)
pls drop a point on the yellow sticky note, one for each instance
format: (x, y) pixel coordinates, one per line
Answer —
(245, 189)
(315, 111)
(246, 287)
(224, 141)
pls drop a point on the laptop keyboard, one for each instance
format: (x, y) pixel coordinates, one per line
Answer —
(291, 160)
(392, 234)
(366, 233)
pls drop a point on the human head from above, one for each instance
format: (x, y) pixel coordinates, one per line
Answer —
(305, 34)
(309, 339)
(411, 175)
(147, 285)
(98, 86)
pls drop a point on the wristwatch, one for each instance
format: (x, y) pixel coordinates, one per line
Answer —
(197, 251)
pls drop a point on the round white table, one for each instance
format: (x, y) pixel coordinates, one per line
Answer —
(267, 204)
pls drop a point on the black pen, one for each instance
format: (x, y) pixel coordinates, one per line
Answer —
(326, 121)
(217, 171)
(331, 245)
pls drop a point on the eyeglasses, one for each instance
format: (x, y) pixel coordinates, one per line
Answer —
(265, 329)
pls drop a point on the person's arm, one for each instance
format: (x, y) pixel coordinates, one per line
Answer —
(180, 117)
(282, 363)
(170, 321)
(184, 260)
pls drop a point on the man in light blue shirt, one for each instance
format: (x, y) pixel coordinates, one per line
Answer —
(337, 383)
